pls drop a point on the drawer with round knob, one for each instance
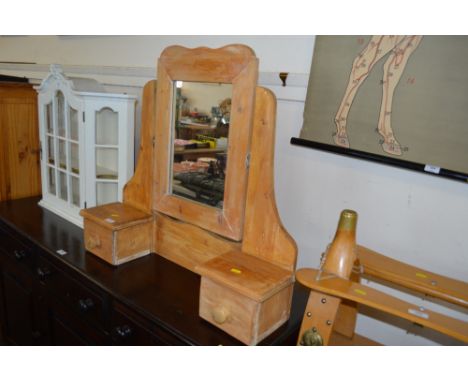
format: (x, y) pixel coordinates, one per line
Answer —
(117, 233)
(228, 310)
(245, 296)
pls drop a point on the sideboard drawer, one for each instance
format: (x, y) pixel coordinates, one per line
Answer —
(130, 328)
(125, 330)
(16, 250)
(89, 304)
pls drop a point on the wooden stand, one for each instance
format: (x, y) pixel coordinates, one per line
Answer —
(333, 297)
(244, 255)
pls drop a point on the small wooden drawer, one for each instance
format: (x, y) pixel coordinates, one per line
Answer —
(88, 303)
(117, 233)
(245, 296)
(228, 310)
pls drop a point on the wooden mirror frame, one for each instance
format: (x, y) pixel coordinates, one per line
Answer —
(234, 64)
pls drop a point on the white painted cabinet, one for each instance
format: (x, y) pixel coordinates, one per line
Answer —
(87, 141)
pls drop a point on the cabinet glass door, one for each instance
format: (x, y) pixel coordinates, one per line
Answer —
(74, 150)
(50, 149)
(62, 161)
(107, 156)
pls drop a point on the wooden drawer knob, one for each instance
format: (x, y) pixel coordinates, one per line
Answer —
(220, 314)
(93, 242)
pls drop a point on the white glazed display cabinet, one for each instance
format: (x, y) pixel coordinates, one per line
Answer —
(87, 141)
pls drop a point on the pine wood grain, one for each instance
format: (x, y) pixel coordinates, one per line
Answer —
(117, 232)
(186, 244)
(132, 242)
(247, 320)
(234, 64)
(361, 294)
(99, 241)
(264, 234)
(274, 312)
(138, 192)
(116, 216)
(206, 65)
(239, 313)
(320, 314)
(432, 284)
(248, 275)
(247, 272)
(19, 142)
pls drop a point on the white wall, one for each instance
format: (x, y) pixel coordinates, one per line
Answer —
(276, 53)
(416, 218)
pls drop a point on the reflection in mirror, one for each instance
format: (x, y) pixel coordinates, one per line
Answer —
(200, 140)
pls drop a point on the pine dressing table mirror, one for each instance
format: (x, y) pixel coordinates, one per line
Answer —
(203, 193)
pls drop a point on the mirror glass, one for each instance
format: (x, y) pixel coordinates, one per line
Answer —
(200, 130)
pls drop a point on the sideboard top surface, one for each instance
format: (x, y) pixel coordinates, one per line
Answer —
(156, 288)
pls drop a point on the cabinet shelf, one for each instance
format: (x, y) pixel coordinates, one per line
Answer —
(107, 178)
(106, 146)
(106, 173)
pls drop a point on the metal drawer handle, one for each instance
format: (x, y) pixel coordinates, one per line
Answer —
(43, 273)
(20, 254)
(85, 304)
(123, 331)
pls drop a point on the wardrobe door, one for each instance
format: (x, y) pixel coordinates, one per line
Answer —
(19, 142)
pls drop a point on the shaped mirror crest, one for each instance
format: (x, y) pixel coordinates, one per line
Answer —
(200, 130)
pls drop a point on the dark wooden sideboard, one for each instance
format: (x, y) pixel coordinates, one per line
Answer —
(74, 299)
